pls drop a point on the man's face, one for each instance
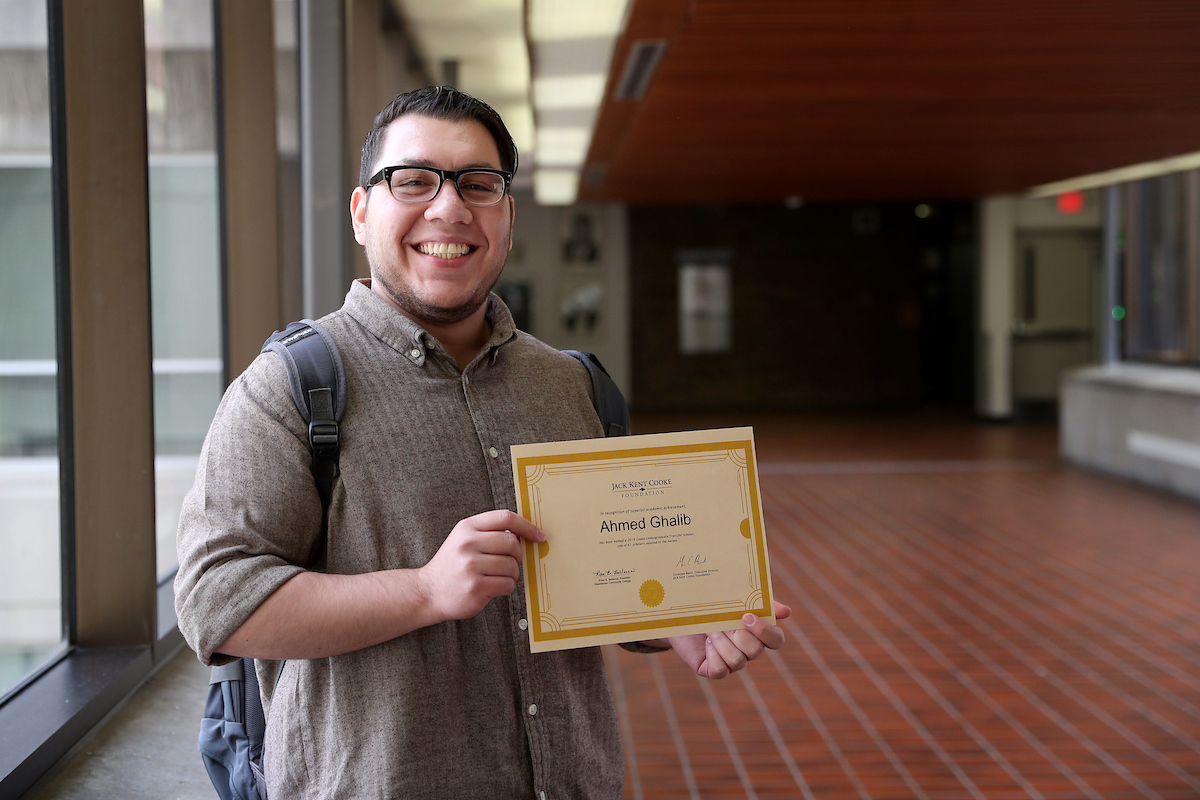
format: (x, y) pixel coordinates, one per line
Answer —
(435, 260)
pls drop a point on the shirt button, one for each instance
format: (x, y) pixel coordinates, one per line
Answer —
(523, 624)
(533, 709)
(415, 353)
(493, 452)
(541, 796)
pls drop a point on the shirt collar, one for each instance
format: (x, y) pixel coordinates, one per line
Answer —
(404, 335)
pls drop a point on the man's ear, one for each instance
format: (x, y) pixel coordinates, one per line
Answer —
(358, 214)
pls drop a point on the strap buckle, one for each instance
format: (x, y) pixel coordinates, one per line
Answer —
(323, 437)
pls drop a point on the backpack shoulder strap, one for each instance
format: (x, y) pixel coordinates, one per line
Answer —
(317, 382)
(610, 403)
(232, 733)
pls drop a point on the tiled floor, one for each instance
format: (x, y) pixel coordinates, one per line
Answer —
(971, 619)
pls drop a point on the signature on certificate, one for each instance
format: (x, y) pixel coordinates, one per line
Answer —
(604, 573)
(690, 561)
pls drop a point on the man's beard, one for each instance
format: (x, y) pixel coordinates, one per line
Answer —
(403, 296)
(406, 299)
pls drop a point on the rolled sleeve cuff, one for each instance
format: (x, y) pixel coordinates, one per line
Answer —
(211, 613)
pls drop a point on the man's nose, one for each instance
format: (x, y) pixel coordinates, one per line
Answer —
(448, 205)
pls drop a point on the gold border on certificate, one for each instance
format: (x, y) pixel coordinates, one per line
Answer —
(723, 453)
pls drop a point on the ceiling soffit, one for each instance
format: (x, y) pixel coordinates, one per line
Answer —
(873, 99)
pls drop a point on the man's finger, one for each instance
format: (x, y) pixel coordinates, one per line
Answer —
(747, 642)
(500, 543)
(504, 520)
(714, 666)
(497, 586)
(500, 566)
(770, 635)
(728, 651)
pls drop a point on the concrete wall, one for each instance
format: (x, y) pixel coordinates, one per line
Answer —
(997, 262)
(1138, 421)
(1022, 355)
(563, 285)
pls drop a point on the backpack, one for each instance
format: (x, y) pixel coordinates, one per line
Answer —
(233, 727)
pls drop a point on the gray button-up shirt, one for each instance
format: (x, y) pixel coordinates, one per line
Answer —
(458, 709)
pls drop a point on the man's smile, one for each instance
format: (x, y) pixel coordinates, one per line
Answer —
(443, 249)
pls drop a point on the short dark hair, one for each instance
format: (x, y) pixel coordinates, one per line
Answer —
(439, 102)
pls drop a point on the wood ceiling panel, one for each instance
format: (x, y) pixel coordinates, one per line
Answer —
(875, 99)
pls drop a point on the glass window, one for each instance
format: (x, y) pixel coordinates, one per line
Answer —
(1160, 269)
(184, 249)
(31, 626)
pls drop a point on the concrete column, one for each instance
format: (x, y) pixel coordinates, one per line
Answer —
(997, 260)
(250, 218)
(325, 197)
(107, 267)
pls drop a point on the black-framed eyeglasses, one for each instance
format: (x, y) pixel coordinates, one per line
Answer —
(477, 186)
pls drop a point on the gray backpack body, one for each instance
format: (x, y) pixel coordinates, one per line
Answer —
(233, 727)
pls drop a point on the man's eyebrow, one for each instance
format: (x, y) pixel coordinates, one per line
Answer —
(424, 162)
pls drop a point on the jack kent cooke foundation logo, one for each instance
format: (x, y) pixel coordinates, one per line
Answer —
(646, 488)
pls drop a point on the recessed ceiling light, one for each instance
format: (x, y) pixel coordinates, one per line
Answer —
(551, 20)
(555, 187)
(562, 147)
(568, 91)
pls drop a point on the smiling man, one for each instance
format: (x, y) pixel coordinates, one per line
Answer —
(407, 667)
(435, 255)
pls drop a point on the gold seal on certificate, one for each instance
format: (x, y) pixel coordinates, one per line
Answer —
(646, 536)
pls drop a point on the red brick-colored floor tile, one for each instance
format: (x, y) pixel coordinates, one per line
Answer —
(971, 619)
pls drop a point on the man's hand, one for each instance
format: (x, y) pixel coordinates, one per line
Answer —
(716, 655)
(479, 560)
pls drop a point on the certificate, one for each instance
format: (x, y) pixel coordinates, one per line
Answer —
(646, 536)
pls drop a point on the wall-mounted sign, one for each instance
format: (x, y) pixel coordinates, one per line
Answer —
(705, 301)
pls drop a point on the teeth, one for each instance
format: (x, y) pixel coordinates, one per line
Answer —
(443, 249)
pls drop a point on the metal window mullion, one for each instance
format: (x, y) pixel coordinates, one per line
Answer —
(1191, 281)
(1131, 196)
(62, 319)
(1112, 274)
(222, 188)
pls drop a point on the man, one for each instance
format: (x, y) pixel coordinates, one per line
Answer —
(408, 672)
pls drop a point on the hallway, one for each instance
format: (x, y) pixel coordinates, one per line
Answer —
(971, 619)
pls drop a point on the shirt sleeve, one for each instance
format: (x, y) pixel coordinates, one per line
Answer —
(252, 520)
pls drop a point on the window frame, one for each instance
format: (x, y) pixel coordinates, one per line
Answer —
(119, 623)
(118, 620)
(1131, 268)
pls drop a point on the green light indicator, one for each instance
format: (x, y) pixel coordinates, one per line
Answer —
(1118, 313)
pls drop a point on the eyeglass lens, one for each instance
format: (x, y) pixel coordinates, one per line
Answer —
(418, 185)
